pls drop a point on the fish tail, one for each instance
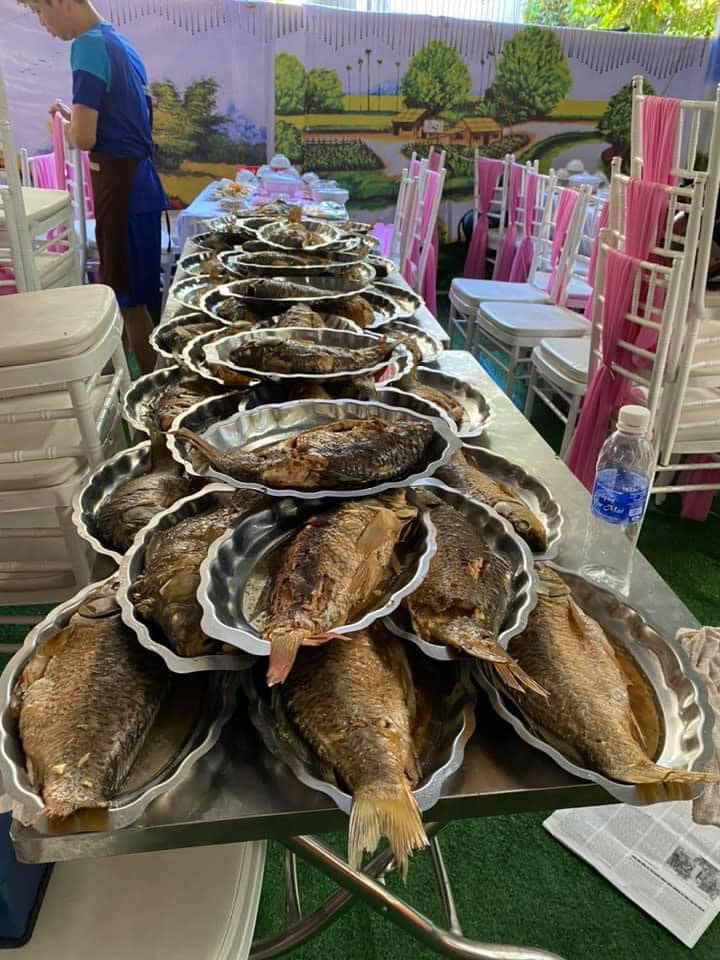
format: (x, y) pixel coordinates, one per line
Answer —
(649, 772)
(470, 637)
(283, 651)
(205, 448)
(385, 810)
(513, 675)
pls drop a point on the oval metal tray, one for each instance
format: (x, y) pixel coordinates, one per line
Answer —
(680, 694)
(272, 233)
(350, 284)
(190, 291)
(384, 308)
(191, 264)
(442, 758)
(500, 538)
(244, 263)
(142, 786)
(161, 339)
(132, 565)
(211, 299)
(236, 572)
(428, 345)
(135, 401)
(271, 423)
(194, 358)
(478, 413)
(407, 300)
(533, 491)
(219, 351)
(396, 397)
(384, 267)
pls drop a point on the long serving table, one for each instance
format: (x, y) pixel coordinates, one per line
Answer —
(238, 792)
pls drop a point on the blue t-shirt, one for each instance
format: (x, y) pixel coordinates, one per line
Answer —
(109, 76)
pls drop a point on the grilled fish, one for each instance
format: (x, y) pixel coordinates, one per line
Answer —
(174, 399)
(85, 702)
(332, 568)
(353, 702)
(463, 600)
(357, 309)
(468, 479)
(445, 401)
(134, 503)
(182, 334)
(588, 709)
(165, 592)
(295, 355)
(344, 454)
(299, 315)
(236, 312)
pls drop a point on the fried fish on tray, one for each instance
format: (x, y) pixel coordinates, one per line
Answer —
(299, 315)
(353, 702)
(332, 569)
(341, 455)
(588, 707)
(165, 592)
(445, 401)
(134, 503)
(468, 479)
(177, 397)
(85, 702)
(357, 309)
(298, 356)
(463, 600)
(236, 312)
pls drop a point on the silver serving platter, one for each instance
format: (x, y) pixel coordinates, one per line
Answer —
(237, 572)
(500, 538)
(407, 300)
(102, 483)
(533, 491)
(219, 351)
(194, 358)
(397, 397)
(350, 284)
(272, 233)
(212, 298)
(384, 266)
(428, 345)
(161, 339)
(248, 222)
(332, 321)
(260, 264)
(200, 416)
(478, 413)
(190, 290)
(192, 263)
(443, 756)
(142, 390)
(384, 307)
(271, 423)
(132, 566)
(142, 786)
(356, 227)
(680, 695)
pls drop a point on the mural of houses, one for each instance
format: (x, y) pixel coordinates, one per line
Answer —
(479, 131)
(410, 121)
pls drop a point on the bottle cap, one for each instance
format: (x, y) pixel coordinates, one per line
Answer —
(634, 419)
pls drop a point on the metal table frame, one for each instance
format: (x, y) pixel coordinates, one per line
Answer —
(238, 792)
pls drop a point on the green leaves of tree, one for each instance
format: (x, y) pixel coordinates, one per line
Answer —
(437, 78)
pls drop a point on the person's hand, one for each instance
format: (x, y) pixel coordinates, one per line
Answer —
(59, 107)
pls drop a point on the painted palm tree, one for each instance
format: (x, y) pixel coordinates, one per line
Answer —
(360, 66)
(367, 54)
(349, 71)
(397, 87)
(379, 63)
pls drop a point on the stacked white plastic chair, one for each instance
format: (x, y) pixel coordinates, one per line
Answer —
(37, 231)
(507, 331)
(59, 416)
(418, 237)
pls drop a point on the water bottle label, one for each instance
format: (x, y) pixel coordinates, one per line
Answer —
(619, 496)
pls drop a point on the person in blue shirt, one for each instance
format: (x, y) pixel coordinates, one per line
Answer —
(111, 116)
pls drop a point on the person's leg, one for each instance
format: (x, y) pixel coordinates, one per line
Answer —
(138, 327)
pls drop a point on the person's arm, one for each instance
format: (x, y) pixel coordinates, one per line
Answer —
(81, 132)
(91, 80)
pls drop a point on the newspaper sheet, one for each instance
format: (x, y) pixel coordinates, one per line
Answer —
(661, 860)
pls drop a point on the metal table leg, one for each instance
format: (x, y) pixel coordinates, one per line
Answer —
(293, 910)
(444, 889)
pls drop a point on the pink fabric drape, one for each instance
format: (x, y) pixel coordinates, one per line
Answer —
(526, 248)
(436, 160)
(44, 171)
(428, 220)
(566, 205)
(487, 175)
(660, 116)
(604, 218)
(646, 207)
(384, 234)
(58, 142)
(696, 505)
(607, 391)
(508, 248)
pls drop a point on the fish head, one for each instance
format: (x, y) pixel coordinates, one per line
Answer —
(525, 522)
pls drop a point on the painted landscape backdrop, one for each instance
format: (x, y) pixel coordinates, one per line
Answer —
(351, 95)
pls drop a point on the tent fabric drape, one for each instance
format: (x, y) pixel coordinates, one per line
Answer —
(487, 175)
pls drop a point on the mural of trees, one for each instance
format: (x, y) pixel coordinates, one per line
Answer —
(289, 84)
(437, 78)
(288, 140)
(323, 92)
(614, 125)
(532, 77)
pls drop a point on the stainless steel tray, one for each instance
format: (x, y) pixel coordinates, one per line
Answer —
(191, 264)
(501, 539)
(203, 414)
(428, 345)
(272, 233)
(535, 494)
(132, 566)
(102, 482)
(396, 397)
(384, 308)
(384, 267)
(333, 321)
(350, 284)
(680, 694)
(442, 757)
(190, 290)
(212, 298)
(270, 423)
(161, 339)
(218, 351)
(160, 765)
(408, 301)
(244, 263)
(237, 572)
(135, 401)
(194, 358)
(478, 413)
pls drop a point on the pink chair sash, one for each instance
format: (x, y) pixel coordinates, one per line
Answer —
(384, 234)
(506, 254)
(44, 173)
(427, 235)
(604, 219)
(563, 215)
(696, 505)
(646, 207)
(607, 390)
(526, 248)
(435, 160)
(660, 116)
(58, 141)
(487, 174)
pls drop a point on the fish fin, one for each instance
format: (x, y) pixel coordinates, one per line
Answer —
(206, 449)
(649, 772)
(320, 638)
(513, 675)
(385, 810)
(284, 649)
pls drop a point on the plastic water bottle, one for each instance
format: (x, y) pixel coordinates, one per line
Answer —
(619, 498)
